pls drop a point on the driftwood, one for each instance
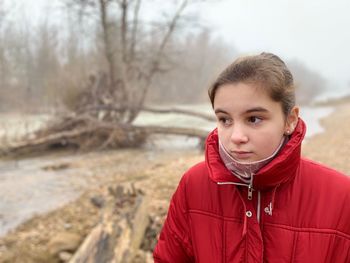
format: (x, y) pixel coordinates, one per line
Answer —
(119, 235)
(96, 122)
(85, 132)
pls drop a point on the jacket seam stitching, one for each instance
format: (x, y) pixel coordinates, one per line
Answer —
(189, 248)
(180, 241)
(246, 248)
(294, 245)
(224, 243)
(194, 211)
(313, 230)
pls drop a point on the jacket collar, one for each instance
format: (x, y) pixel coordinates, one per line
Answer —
(280, 170)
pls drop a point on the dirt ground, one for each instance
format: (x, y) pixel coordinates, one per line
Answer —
(332, 147)
(157, 174)
(154, 172)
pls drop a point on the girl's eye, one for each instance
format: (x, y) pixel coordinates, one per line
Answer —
(225, 121)
(254, 119)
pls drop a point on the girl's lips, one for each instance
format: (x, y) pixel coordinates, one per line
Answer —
(242, 154)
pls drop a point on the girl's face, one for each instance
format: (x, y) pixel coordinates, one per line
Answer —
(250, 124)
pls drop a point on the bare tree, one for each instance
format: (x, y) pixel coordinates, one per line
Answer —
(133, 53)
(199, 59)
(133, 57)
(2, 51)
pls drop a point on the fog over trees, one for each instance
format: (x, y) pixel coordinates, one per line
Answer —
(309, 84)
(168, 59)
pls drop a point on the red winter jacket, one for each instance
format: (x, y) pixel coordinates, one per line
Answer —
(299, 212)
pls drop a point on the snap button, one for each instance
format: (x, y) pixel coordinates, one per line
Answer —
(249, 214)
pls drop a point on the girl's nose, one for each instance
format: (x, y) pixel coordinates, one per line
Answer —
(238, 136)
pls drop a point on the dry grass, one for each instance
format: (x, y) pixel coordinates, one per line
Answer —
(157, 174)
(333, 146)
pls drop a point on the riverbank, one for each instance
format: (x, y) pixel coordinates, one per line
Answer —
(157, 174)
(332, 147)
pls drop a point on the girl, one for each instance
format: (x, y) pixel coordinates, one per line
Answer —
(254, 199)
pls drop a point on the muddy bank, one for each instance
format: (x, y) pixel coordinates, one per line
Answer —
(156, 172)
(38, 185)
(332, 147)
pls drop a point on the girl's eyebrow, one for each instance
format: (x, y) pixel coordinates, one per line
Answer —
(256, 109)
(218, 110)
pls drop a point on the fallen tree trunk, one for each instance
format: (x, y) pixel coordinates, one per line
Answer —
(96, 134)
(86, 131)
(192, 132)
(119, 235)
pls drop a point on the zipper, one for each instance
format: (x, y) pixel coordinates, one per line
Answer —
(250, 192)
(222, 183)
(250, 188)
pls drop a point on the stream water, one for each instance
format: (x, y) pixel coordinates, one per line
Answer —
(30, 186)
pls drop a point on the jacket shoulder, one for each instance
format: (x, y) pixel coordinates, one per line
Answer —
(198, 168)
(317, 199)
(196, 173)
(328, 195)
(323, 174)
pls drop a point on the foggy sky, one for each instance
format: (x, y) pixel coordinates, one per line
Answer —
(315, 32)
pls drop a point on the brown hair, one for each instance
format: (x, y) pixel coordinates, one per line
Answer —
(267, 71)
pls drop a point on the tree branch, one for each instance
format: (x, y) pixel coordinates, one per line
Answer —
(167, 36)
(134, 29)
(124, 5)
(156, 61)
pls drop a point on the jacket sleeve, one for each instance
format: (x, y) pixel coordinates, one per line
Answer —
(174, 244)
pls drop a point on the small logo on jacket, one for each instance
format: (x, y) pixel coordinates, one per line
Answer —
(268, 209)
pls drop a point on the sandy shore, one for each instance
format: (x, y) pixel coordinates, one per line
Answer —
(157, 174)
(333, 146)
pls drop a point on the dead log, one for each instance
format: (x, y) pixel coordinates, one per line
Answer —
(119, 235)
(191, 132)
(95, 134)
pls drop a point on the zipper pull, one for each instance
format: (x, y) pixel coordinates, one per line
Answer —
(250, 192)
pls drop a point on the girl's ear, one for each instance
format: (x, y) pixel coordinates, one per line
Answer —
(292, 120)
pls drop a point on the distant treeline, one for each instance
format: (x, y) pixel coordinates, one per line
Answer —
(47, 65)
